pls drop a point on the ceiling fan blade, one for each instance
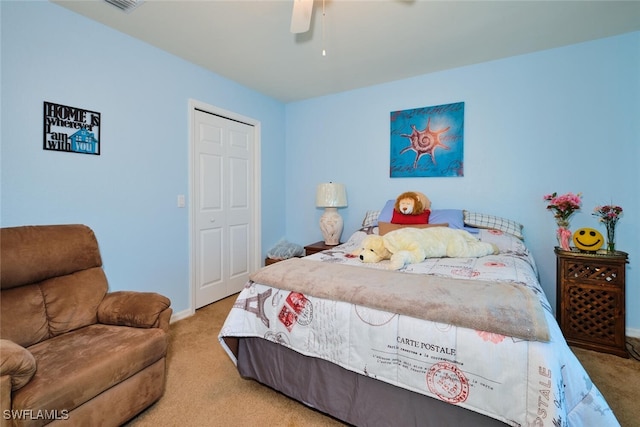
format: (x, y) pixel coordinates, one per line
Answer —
(301, 16)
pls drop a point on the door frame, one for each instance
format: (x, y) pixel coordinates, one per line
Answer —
(256, 218)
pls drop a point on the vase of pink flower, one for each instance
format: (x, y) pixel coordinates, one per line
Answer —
(563, 207)
(609, 216)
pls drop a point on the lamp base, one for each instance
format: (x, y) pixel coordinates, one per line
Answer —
(331, 225)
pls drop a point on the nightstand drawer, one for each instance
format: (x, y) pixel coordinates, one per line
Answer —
(317, 247)
(595, 272)
(269, 261)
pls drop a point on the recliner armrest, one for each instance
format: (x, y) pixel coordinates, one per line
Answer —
(136, 309)
(17, 362)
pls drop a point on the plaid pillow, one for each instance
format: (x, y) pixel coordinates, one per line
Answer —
(479, 220)
(370, 219)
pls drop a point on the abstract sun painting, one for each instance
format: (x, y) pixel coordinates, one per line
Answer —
(427, 142)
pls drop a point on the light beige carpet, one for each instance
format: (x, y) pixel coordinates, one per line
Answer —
(204, 389)
(618, 379)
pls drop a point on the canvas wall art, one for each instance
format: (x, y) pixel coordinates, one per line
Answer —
(428, 142)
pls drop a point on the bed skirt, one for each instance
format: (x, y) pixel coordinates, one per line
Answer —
(350, 397)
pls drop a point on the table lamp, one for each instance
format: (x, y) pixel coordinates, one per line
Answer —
(331, 196)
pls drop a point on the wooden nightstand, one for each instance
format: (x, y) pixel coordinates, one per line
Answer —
(590, 298)
(317, 247)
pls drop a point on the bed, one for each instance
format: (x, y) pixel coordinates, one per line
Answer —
(448, 341)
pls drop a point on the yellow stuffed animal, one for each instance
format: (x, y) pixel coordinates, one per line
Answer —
(413, 245)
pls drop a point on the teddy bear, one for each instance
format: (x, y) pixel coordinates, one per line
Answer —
(411, 207)
(413, 245)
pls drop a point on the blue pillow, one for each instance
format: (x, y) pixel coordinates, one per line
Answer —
(454, 217)
(387, 212)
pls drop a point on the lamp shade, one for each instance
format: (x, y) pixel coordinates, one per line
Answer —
(331, 195)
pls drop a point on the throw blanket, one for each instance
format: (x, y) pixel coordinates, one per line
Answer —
(504, 308)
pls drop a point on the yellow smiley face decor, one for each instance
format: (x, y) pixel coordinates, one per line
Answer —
(588, 239)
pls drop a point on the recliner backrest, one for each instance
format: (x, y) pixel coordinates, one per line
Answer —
(51, 280)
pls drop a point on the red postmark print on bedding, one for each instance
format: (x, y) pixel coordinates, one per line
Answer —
(297, 301)
(447, 382)
(298, 309)
(302, 306)
(287, 317)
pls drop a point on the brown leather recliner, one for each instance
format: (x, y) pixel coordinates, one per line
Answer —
(70, 352)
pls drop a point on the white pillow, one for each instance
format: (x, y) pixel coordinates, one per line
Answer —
(370, 219)
(480, 220)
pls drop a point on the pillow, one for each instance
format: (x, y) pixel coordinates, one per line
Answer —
(506, 242)
(370, 219)
(385, 227)
(453, 217)
(479, 220)
(399, 218)
(387, 211)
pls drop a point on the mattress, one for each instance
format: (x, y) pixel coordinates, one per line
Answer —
(510, 379)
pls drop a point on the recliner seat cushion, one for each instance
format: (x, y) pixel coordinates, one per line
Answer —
(73, 368)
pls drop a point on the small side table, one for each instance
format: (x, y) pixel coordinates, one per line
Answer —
(317, 247)
(590, 298)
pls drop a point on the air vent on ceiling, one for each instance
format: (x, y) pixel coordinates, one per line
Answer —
(125, 5)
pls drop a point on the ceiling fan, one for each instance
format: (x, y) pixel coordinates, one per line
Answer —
(301, 16)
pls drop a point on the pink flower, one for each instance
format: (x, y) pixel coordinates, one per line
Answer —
(563, 206)
(608, 214)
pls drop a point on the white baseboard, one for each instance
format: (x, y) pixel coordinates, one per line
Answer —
(635, 333)
(181, 315)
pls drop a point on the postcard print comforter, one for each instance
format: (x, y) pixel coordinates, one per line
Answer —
(522, 383)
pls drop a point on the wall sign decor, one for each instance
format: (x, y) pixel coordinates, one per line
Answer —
(427, 141)
(71, 129)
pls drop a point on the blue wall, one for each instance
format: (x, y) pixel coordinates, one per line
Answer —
(560, 120)
(128, 194)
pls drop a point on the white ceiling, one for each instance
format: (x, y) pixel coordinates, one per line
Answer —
(367, 42)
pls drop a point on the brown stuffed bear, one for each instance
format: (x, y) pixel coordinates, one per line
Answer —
(411, 207)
